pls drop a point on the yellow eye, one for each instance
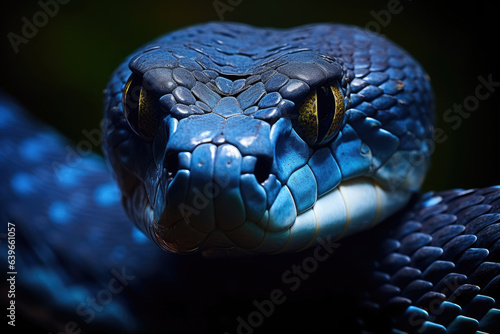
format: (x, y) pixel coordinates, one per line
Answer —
(141, 108)
(321, 114)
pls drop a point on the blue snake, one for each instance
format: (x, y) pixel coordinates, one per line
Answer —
(287, 163)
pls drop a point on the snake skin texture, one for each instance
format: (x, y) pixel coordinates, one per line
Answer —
(431, 267)
(438, 270)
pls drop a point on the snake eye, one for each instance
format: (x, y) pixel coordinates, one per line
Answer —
(321, 114)
(141, 108)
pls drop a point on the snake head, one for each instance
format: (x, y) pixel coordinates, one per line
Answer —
(224, 136)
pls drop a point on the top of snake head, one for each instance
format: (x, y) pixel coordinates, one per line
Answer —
(263, 140)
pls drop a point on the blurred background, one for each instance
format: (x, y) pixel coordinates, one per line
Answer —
(59, 72)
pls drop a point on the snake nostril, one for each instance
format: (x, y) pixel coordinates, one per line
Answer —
(263, 168)
(171, 163)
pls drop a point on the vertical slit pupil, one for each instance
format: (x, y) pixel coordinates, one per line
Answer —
(325, 110)
(141, 108)
(148, 114)
(131, 102)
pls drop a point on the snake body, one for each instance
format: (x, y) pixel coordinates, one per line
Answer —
(234, 140)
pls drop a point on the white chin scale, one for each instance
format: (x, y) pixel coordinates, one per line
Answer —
(355, 205)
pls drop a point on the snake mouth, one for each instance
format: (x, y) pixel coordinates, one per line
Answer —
(353, 206)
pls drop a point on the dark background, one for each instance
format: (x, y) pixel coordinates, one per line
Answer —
(60, 73)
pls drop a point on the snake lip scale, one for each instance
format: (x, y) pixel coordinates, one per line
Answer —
(254, 150)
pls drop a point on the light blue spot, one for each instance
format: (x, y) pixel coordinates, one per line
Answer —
(38, 147)
(22, 184)
(138, 236)
(93, 162)
(60, 213)
(107, 194)
(68, 176)
(32, 149)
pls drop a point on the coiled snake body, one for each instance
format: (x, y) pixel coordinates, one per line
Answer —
(241, 142)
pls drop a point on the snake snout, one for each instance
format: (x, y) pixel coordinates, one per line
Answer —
(208, 195)
(217, 171)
